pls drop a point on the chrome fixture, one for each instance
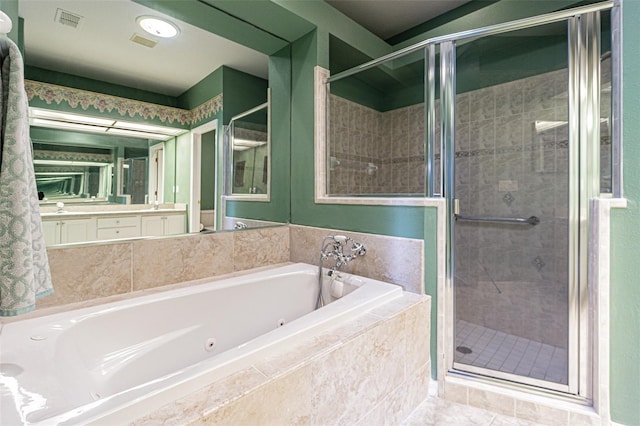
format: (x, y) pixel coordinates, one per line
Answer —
(333, 246)
(240, 225)
(531, 220)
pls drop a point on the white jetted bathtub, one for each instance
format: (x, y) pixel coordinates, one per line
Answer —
(116, 362)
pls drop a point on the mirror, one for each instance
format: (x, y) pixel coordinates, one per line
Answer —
(249, 143)
(102, 167)
(83, 174)
(129, 80)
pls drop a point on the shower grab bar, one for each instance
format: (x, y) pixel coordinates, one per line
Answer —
(532, 220)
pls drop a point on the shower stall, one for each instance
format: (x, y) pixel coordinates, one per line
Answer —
(513, 125)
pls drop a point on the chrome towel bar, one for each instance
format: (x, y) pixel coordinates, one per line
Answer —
(532, 220)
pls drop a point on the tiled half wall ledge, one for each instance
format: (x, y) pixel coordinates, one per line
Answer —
(390, 259)
(371, 370)
(96, 273)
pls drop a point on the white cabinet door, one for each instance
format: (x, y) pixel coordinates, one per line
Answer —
(174, 224)
(61, 231)
(152, 226)
(51, 231)
(78, 230)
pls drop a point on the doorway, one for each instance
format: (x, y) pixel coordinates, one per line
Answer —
(521, 150)
(203, 177)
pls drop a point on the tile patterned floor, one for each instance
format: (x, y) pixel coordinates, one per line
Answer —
(440, 412)
(511, 354)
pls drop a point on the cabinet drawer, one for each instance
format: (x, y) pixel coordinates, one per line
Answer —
(121, 232)
(113, 222)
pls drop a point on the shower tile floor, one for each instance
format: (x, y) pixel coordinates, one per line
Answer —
(510, 354)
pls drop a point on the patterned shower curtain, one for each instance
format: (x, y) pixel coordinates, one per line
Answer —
(24, 266)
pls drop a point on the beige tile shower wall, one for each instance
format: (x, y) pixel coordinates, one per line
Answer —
(513, 278)
(93, 271)
(372, 370)
(390, 259)
(376, 152)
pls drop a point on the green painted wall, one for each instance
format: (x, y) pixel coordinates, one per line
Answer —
(329, 20)
(208, 171)
(386, 220)
(625, 240)
(242, 92)
(479, 15)
(205, 89)
(10, 7)
(278, 208)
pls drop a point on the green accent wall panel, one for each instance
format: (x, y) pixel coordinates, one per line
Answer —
(10, 7)
(207, 88)
(328, 19)
(208, 170)
(277, 209)
(385, 220)
(625, 240)
(266, 15)
(494, 12)
(241, 92)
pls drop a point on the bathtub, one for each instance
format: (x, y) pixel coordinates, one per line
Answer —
(116, 362)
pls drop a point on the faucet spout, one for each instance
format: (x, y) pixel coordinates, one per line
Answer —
(334, 246)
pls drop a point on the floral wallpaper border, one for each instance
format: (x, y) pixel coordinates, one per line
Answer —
(84, 99)
(41, 154)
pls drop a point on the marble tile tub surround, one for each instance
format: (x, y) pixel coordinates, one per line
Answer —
(539, 409)
(372, 370)
(90, 271)
(390, 259)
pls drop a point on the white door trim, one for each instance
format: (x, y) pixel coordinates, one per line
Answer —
(194, 190)
(156, 172)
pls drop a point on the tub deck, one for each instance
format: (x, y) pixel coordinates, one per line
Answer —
(117, 361)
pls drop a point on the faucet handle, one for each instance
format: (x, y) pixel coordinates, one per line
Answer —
(358, 249)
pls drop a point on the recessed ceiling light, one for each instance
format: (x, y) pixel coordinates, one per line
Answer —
(157, 26)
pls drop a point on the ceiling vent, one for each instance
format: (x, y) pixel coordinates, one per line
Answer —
(147, 42)
(67, 18)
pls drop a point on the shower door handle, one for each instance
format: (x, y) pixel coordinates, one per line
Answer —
(531, 220)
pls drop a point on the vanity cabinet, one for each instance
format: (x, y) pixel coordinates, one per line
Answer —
(69, 228)
(62, 231)
(111, 228)
(167, 224)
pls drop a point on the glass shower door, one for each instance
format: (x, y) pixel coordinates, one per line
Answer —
(511, 232)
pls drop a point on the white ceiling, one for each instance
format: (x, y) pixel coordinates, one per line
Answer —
(386, 18)
(100, 47)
